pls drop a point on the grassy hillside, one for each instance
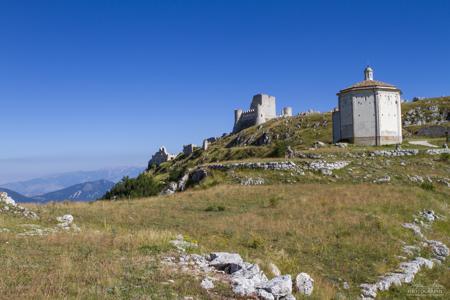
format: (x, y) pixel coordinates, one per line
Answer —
(334, 232)
(339, 227)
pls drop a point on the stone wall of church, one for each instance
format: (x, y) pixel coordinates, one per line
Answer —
(364, 117)
(346, 117)
(390, 117)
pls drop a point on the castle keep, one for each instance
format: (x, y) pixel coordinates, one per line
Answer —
(262, 109)
(369, 113)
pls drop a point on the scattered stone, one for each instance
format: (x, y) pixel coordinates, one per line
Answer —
(319, 144)
(304, 284)
(252, 181)
(207, 284)
(66, 223)
(389, 153)
(384, 179)
(416, 178)
(345, 285)
(246, 280)
(415, 228)
(8, 205)
(341, 145)
(326, 168)
(227, 262)
(407, 270)
(280, 286)
(410, 250)
(274, 270)
(428, 215)
(437, 151)
(181, 244)
(439, 249)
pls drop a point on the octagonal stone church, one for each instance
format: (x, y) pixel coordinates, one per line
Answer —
(369, 113)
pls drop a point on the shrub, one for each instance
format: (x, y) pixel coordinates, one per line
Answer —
(215, 208)
(428, 186)
(175, 174)
(255, 243)
(273, 202)
(279, 150)
(141, 186)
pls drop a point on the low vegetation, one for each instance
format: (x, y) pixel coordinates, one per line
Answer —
(333, 232)
(343, 227)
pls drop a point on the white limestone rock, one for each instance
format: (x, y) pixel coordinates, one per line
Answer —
(304, 284)
(280, 286)
(4, 198)
(65, 222)
(384, 179)
(439, 249)
(264, 295)
(207, 284)
(274, 270)
(224, 261)
(429, 215)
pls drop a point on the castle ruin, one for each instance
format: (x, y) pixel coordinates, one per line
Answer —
(262, 109)
(160, 157)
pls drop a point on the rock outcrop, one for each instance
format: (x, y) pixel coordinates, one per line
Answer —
(406, 271)
(8, 205)
(247, 280)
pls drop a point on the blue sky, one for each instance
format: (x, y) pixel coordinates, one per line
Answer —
(92, 84)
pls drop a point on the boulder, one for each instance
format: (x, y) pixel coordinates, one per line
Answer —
(304, 284)
(224, 261)
(319, 144)
(4, 198)
(429, 215)
(280, 286)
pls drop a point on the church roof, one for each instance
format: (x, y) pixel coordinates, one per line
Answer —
(369, 84)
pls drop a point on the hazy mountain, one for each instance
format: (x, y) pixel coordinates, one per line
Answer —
(86, 191)
(47, 184)
(16, 196)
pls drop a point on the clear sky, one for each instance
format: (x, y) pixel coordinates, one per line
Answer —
(91, 84)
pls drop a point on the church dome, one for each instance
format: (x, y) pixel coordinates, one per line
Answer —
(369, 83)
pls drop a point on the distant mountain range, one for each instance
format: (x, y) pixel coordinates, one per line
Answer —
(16, 196)
(44, 185)
(87, 191)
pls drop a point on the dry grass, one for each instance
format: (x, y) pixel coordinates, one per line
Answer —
(334, 232)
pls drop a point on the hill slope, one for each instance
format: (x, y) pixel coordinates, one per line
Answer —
(86, 191)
